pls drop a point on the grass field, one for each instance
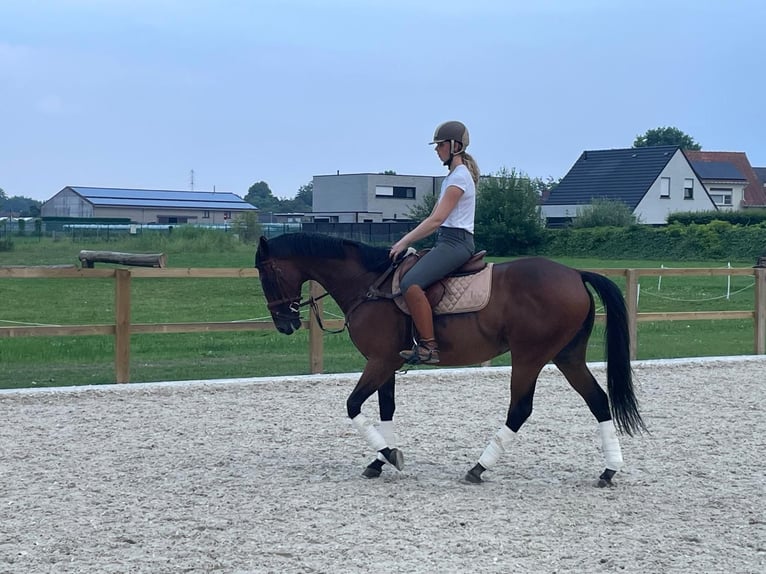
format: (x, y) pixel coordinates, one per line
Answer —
(55, 361)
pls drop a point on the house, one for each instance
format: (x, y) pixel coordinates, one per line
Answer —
(146, 205)
(652, 181)
(753, 194)
(723, 181)
(760, 173)
(369, 197)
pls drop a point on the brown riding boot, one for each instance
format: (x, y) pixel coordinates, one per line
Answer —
(426, 350)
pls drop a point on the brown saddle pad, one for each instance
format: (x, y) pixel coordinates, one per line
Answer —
(463, 291)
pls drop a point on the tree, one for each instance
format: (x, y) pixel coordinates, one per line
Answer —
(423, 209)
(605, 213)
(21, 206)
(543, 186)
(260, 196)
(508, 218)
(667, 136)
(246, 226)
(303, 201)
(419, 212)
(3, 197)
(306, 193)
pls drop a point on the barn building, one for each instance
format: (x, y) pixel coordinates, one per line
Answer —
(146, 206)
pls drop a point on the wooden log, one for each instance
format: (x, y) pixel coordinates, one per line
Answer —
(62, 266)
(88, 258)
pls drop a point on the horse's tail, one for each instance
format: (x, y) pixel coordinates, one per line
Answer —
(619, 374)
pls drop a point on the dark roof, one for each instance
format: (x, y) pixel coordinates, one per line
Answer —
(621, 174)
(109, 196)
(760, 173)
(754, 195)
(719, 170)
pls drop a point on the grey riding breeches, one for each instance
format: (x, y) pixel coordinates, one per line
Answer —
(453, 248)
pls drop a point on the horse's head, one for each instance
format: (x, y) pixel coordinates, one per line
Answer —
(281, 282)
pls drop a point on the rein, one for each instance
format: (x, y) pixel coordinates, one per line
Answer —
(373, 293)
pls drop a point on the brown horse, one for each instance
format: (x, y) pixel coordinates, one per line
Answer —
(539, 310)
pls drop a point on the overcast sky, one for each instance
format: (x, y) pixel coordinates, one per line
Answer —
(138, 93)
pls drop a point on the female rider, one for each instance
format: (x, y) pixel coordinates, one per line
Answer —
(452, 218)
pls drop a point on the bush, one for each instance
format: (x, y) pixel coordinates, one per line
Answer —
(186, 238)
(742, 217)
(716, 240)
(247, 227)
(508, 218)
(604, 213)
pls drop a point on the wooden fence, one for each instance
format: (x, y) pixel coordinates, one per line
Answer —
(123, 328)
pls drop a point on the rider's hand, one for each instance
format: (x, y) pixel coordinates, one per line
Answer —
(397, 249)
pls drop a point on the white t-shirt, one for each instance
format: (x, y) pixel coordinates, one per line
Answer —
(462, 215)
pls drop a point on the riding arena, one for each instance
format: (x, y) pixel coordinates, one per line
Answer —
(264, 475)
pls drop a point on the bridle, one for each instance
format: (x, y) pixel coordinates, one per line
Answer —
(295, 303)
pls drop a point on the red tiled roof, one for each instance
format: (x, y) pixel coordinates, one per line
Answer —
(754, 192)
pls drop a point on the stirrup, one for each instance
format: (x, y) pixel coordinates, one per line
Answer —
(420, 354)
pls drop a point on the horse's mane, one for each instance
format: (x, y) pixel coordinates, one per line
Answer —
(325, 246)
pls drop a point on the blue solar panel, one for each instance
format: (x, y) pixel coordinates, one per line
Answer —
(718, 170)
(239, 205)
(162, 198)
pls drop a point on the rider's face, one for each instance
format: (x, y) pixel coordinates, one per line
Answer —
(442, 150)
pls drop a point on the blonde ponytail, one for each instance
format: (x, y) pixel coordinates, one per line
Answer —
(473, 168)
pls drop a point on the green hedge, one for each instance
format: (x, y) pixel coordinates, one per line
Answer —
(714, 240)
(743, 217)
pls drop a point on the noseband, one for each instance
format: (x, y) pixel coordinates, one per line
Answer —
(294, 302)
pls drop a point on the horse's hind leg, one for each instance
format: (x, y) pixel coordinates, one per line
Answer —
(571, 362)
(387, 406)
(523, 381)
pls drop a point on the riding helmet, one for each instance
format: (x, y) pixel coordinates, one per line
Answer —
(451, 131)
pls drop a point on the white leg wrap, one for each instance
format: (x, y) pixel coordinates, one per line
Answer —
(369, 432)
(497, 446)
(610, 445)
(386, 428)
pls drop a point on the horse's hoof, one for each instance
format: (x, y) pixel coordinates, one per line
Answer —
(605, 480)
(472, 478)
(371, 472)
(474, 475)
(396, 458)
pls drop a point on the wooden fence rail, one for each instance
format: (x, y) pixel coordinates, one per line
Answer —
(123, 327)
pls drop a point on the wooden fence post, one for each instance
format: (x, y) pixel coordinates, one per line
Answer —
(122, 325)
(316, 339)
(760, 311)
(631, 300)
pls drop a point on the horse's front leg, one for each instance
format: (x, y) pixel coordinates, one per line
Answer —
(387, 406)
(375, 376)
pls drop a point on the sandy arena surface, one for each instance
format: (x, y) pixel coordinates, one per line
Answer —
(264, 476)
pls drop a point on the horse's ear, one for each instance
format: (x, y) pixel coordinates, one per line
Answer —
(262, 246)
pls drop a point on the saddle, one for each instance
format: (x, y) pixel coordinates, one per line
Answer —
(465, 290)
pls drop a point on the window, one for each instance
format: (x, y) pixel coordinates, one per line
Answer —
(227, 214)
(395, 191)
(688, 188)
(665, 187)
(206, 215)
(721, 195)
(172, 219)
